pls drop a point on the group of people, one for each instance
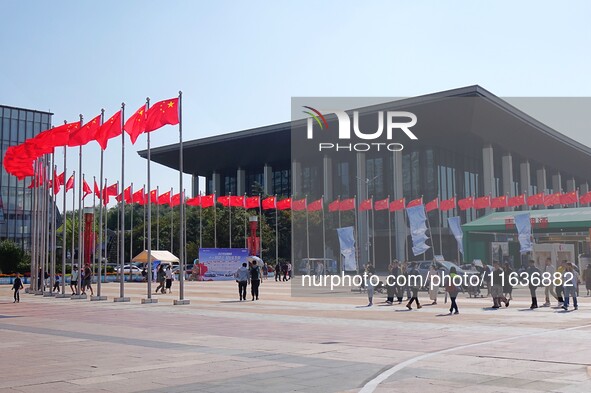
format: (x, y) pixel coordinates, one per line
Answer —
(283, 271)
(164, 277)
(246, 274)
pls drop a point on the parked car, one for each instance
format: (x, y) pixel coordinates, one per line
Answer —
(134, 269)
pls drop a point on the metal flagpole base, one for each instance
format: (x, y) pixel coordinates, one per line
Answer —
(121, 299)
(181, 302)
(97, 298)
(62, 295)
(149, 301)
(77, 297)
(48, 294)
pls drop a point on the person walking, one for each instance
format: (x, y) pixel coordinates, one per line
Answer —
(414, 278)
(433, 289)
(87, 282)
(255, 280)
(160, 277)
(74, 279)
(265, 271)
(452, 290)
(533, 273)
(390, 284)
(17, 285)
(284, 270)
(369, 272)
(570, 280)
(559, 288)
(549, 290)
(277, 271)
(507, 287)
(587, 278)
(56, 284)
(242, 275)
(496, 287)
(168, 276)
(289, 272)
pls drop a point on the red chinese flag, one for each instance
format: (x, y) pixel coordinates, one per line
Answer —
(448, 204)
(365, 205)
(175, 200)
(499, 202)
(334, 206)
(569, 198)
(127, 195)
(284, 204)
(518, 200)
(224, 201)
(162, 113)
(381, 204)
(86, 190)
(237, 201)
(397, 205)
(269, 203)
(315, 206)
(86, 133)
(482, 202)
(252, 202)
(110, 129)
(207, 201)
(112, 190)
(347, 204)
(136, 124)
(434, 204)
(97, 191)
(415, 202)
(586, 198)
(70, 183)
(164, 199)
(552, 199)
(196, 201)
(119, 198)
(299, 205)
(154, 196)
(536, 200)
(57, 182)
(138, 197)
(466, 203)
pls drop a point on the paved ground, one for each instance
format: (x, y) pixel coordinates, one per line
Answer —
(283, 344)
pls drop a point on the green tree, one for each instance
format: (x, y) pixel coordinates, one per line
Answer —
(12, 257)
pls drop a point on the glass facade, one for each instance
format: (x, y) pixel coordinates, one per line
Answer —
(17, 125)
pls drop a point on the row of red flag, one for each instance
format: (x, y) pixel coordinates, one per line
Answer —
(18, 160)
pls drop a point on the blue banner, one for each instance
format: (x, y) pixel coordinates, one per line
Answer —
(418, 228)
(220, 264)
(455, 226)
(347, 243)
(523, 225)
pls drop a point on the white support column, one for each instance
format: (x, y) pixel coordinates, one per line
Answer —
(541, 182)
(362, 219)
(488, 171)
(268, 179)
(571, 185)
(507, 164)
(240, 181)
(398, 217)
(327, 178)
(296, 179)
(583, 188)
(557, 182)
(525, 177)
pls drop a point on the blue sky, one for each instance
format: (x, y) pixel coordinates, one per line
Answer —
(239, 63)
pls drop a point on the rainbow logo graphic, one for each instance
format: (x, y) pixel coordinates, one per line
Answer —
(316, 115)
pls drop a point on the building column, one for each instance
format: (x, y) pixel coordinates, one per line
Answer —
(296, 179)
(362, 217)
(583, 188)
(240, 181)
(525, 177)
(571, 185)
(195, 185)
(507, 164)
(267, 179)
(398, 217)
(327, 178)
(557, 182)
(216, 181)
(541, 182)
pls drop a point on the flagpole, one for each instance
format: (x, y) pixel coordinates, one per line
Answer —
(307, 231)
(200, 224)
(130, 222)
(439, 222)
(230, 219)
(261, 229)
(144, 216)
(339, 214)
(47, 244)
(106, 227)
(122, 297)
(53, 223)
(356, 232)
(44, 225)
(215, 222)
(373, 233)
(245, 225)
(80, 245)
(171, 222)
(73, 228)
(157, 218)
(323, 233)
(81, 226)
(405, 235)
(102, 243)
(389, 231)
(149, 202)
(182, 209)
(276, 232)
(292, 254)
(93, 227)
(32, 282)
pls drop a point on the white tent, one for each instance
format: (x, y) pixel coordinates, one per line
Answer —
(162, 256)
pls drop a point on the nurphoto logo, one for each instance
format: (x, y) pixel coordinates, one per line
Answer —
(394, 120)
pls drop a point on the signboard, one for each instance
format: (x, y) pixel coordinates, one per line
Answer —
(220, 264)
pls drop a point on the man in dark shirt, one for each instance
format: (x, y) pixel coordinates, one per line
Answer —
(532, 272)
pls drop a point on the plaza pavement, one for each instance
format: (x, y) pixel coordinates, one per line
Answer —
(288, 344)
